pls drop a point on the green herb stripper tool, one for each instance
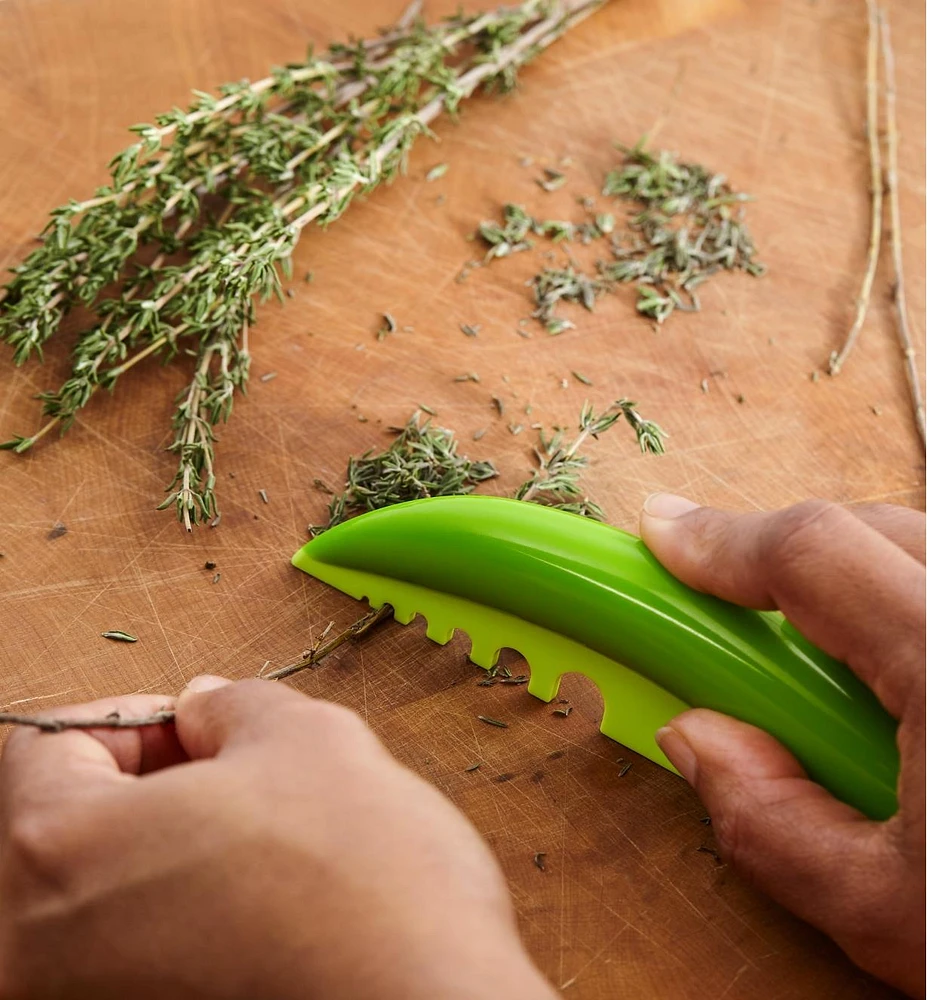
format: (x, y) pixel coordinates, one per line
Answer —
(574, 595)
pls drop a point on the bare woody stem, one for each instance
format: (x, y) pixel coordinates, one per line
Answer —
(361, 627)
(891, 186)
(838, 358)
(115, 721)
(111, 721)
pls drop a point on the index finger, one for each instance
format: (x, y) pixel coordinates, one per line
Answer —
(840, 582)
(38, 765)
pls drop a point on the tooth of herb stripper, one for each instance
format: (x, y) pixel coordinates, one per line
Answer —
(574, 595)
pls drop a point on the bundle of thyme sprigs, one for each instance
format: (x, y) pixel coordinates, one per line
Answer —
(203, 211)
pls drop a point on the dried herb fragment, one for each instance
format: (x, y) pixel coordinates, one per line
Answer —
(539, 860)
(437, 171)
(117, 635)
(552, 180)
(564, 711)
(554, 285)
(509, 237)
(472, 767)
(470, 330)
(388, 327)
(498, 723)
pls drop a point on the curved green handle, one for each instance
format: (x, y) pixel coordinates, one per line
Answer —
(601, 588)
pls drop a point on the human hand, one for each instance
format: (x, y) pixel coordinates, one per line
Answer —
(268, 847)
(852, 581)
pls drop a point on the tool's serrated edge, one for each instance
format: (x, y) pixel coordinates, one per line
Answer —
(635, 707)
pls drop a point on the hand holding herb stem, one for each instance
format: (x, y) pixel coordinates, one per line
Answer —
(288, 830)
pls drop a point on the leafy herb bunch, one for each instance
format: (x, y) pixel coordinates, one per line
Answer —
(203, 210)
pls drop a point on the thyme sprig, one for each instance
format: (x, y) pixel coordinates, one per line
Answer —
(203, 211)
(556, 481)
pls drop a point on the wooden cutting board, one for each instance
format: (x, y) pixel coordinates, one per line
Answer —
(770, 93)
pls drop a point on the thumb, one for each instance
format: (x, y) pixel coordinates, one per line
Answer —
(214, 716)
(816, 856)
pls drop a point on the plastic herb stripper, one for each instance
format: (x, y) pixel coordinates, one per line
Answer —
(574, 595)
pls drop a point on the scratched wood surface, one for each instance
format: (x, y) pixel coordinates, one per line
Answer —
(772, 94)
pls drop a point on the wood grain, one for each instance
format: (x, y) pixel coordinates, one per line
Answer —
(769, 92)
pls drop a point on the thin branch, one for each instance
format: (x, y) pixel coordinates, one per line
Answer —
(361, 627)
(166, 715)
(838, 358)
(112, 721)
(891, 185)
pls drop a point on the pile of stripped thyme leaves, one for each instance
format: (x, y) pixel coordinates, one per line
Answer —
(686, 227)
(203, 211)
(423, 462)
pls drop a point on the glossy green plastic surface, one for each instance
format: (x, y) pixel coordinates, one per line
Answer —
(572, 594)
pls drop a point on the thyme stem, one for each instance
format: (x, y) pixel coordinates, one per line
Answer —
(113, 720)
(838, 358)
(891, 186)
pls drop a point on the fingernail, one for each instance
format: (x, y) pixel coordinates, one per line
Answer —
(206, 682)
(680, 754)
(667, 505)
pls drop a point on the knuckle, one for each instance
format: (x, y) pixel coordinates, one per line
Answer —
(728, 829)
(331, 717)
(797, 536)
(313, 721)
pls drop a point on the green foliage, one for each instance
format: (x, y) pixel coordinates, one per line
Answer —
(203, 210)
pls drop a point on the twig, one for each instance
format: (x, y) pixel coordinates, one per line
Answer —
(115, 721)
(891, 186)
(838, 358)
(355, 631)
(112, 721)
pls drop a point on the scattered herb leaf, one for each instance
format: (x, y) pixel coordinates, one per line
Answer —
(493, 722)
(119, 636)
